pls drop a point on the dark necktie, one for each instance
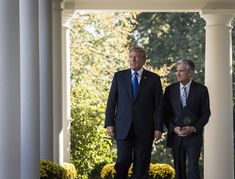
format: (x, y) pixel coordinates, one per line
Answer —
(184, 97)
(135, 83)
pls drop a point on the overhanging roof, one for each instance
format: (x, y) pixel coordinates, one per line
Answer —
(149, 5)
(211, 6)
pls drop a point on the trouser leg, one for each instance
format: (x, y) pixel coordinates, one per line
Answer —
(193, 154)
(142, 157)
(179, 156)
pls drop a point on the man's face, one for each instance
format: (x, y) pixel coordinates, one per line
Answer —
(183, 74)
(136, 60)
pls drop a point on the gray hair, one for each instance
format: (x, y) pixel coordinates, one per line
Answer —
(188, 63)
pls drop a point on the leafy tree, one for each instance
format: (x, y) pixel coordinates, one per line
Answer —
(168, 37)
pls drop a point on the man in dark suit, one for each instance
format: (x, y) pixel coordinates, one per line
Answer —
(186, 112)
(134, 115)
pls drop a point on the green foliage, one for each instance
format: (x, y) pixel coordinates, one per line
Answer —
(71, 171)
(156, 171)
(98, 48)
(163, 72)
(49, 170)
(167, 37)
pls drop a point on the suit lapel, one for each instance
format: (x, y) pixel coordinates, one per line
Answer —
(191, 93)
(128, 84)
(177, 96)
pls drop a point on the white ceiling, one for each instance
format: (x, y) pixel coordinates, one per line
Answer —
(221, 6)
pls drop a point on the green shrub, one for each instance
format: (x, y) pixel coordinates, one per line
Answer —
(71, 170)
(49, 170)
(156, 171)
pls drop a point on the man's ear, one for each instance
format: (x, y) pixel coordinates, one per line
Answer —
(191, 73)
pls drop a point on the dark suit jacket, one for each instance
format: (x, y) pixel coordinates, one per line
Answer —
(145, 111)
(198, 104)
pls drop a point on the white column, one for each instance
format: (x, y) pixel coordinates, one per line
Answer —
(29, 90)
(46, 100)
(218, 143)
(9, 90)
(66, 93)
(57, 82)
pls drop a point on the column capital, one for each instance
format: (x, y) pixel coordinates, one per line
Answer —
(67, 16)
(221, 17)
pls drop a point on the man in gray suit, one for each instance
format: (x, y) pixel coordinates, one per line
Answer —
(134, 115)
(186, 112)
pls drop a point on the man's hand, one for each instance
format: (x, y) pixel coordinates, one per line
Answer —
(111, 131)
(185, 131)
(157, 135)
(177, 130)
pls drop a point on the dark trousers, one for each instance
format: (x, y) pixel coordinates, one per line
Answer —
(133, 150)
(192, 154)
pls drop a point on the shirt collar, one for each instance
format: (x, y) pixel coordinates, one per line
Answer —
(187, 85)
(139, 71)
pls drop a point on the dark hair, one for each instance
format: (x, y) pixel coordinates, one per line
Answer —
(188, 63)
(139, 49)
